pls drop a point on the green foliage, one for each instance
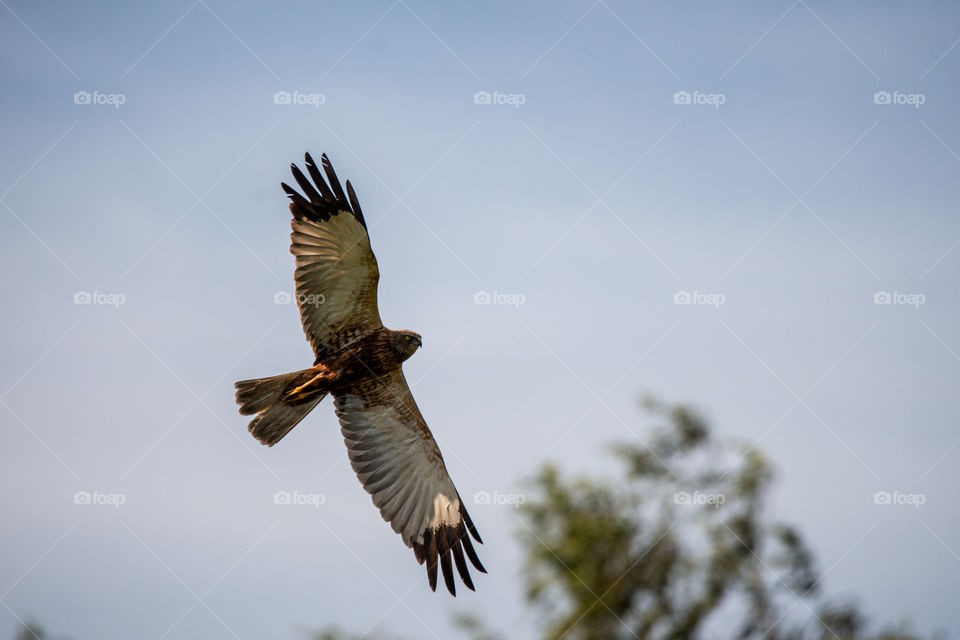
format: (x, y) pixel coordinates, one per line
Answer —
(335, 633)
(31, 631)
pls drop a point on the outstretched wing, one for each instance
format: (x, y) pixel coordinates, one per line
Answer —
(399, 464)
(336, 275)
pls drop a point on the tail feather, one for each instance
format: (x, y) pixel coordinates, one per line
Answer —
(274, 417)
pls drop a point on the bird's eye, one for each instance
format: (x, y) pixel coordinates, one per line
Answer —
(409, 338)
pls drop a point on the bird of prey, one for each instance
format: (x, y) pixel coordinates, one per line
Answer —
(358, 362)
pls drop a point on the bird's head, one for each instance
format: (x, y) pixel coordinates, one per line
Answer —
(406, 342)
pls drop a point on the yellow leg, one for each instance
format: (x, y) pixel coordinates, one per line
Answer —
(302, 391)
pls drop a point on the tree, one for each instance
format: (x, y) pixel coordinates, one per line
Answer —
(676, 546)
(31, 631)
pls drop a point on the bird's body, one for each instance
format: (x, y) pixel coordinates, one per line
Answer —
(358, 361)
(382, 351)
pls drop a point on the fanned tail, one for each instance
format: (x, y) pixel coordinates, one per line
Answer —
(274, 416)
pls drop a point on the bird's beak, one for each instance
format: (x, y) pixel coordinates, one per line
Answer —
(419, 341)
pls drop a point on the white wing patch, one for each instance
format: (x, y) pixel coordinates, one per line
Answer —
(445, 511)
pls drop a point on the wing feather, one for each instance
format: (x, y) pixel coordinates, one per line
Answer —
(462, 566)
(336, 272)
(305, 185)
(318, 180)
(332, 178)
(399, 464)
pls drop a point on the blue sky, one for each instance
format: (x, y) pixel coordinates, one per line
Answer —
(787, 192)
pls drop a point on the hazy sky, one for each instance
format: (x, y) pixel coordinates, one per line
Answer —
(587, 161)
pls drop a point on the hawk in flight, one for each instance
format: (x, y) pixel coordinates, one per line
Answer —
(358, 362)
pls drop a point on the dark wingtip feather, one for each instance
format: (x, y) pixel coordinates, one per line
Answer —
(318, 178)
(332, 178)
(430, 543)
(355, 205)
(447, 569)
(299, 205)
(322, 200)
(308, 189)
(462, 566)
(469, 523)
(436, 549)
(472, 554)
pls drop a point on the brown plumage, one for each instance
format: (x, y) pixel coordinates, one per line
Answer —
(358, 361)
